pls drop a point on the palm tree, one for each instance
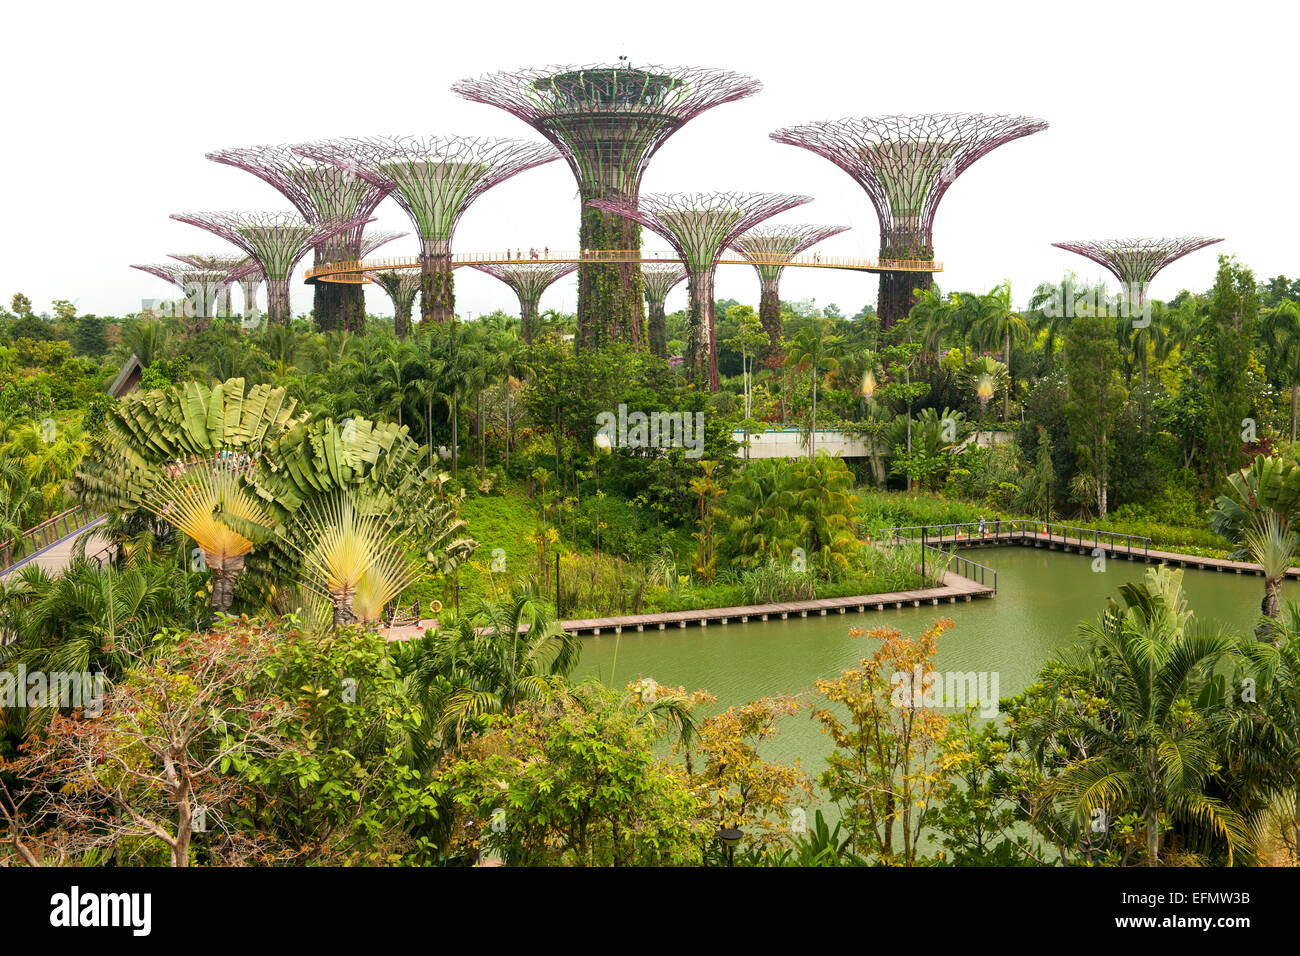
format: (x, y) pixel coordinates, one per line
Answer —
(992, 320)
(985, 377)
(1259, 515)
(498, 656)
(812, 350)
(1282, 332)
(208, 502)
(352, 558)
(1146, 748)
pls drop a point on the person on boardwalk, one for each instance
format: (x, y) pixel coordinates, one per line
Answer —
(984, 526)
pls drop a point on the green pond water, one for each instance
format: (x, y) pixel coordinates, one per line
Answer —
(1042, 596)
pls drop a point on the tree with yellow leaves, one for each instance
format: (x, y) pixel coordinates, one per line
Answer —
(892, 760)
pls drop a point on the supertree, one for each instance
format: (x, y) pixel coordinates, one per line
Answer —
(608, 121)
(658, 280)
(201, 287)
(768, 248)
(1135, 262)
(699, 226)
(906, 164)
(435, 179)
(322, 192)
(529, 280)
(275, 240)
(402, 286)
(237, 268)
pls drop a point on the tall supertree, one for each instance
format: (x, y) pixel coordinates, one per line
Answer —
(322, 192)
(768, 248)
(435, 179)
(276, 241)
(608, 121)
(658, 280)
(529, 280)
(699, 226)
(201, 288)
(906, 164)
(237, 269)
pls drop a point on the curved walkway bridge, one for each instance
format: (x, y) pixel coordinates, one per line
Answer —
(355, 270)
(51, 544)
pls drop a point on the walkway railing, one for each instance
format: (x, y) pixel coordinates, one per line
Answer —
(1013, 530)
(351, 269)
(44, 534)
(960, 565)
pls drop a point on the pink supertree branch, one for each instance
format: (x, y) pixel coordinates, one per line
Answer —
(1135, 262)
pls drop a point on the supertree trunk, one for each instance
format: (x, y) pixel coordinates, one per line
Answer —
(701, 349)
(658, 330)
(325, 305)
(769, 313)
(437, 288)
(402, 320)
(352, 310)
(528, 319)
(278, 310)
(609, 295)
(898, 295)
(227, 300)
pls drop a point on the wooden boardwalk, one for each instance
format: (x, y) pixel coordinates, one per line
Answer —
(56, 556)
(955, 588)
(1108, 545)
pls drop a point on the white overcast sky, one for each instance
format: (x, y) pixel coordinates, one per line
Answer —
(1166, 119)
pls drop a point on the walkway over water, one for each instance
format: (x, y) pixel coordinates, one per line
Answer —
(51, 543)
(354, 270)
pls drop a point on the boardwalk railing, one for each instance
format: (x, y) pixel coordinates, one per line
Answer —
(960, 565)
(1013, 530)
(44, 534)
(355, 269)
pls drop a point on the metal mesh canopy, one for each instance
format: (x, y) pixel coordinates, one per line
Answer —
(200, 286)
(607, 120)
(768, 247)
(907, 163)
(660, 279)
(1135, 262)
(433, 178)
(529, 280)
(700, 225)
(322, 192)
(276, 240)
(235, 267)
(370, 241)
(401, 286)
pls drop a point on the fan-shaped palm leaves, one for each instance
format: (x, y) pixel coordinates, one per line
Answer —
(984, 377)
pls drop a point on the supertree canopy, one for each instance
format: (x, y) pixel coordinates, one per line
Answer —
(372, 240)
(1135, 262)
(906, 164)
(768, 248)
(435, 179)
(201, 287)
(237, 268)
(699, 226)
(322, 192)
(608, 121)
(401, 286)
(276, 241)
(529, 280)
(659, 279)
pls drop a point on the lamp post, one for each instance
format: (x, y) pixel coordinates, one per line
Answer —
(729, 837)
(924, 529)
